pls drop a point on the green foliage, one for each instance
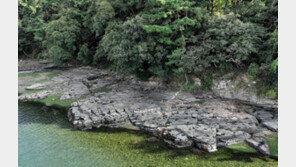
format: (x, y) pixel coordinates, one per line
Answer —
(41, 56)
(207, 82)
(61, 37)
(225, 39)
(272, 94)
(98, 14)
(33, 18)
(59, 55)
(162, 38)
(190, 87)
(173, 34)
(253, 71)
(109, 41)
(130, 50)
(84, 55)
(270, 73)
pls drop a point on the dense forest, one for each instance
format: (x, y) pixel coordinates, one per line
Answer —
(169, 39)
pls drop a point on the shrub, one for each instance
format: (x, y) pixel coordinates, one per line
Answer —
(272, 94)
(270, 73)
(98, 14)
(131, 50)
(63, 34)
(59, 55)
(224, 39)
(84, 55)
(207, 82)
(33, 18)
(253, 71)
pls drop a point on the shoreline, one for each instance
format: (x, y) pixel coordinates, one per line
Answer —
(87, 85)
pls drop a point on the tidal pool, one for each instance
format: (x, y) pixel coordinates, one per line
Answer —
(46, 138)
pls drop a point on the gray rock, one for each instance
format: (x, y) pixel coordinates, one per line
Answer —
(92, 77)
(176, 117)
(271, 125)
(34, 96)
(176, 138)
(37, 86)
(263, 116)
(241, 89)
(34, 65)
(177, 121)
(262, 146)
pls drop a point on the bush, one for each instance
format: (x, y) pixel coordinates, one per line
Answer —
(131, 50)
(98, 14)
(63, 34)
(253, 71)
(84, 55)
(270, 73)
(207, 82)
(272, 94)
(33, 18)
(224, 39)
(59, 55)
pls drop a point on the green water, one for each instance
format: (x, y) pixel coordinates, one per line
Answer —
(47, 139)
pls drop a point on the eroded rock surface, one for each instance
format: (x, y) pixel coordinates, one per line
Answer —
(241, 89)
(37, 86)
(267, 119)
(260, 145)
(34, 96)
(33, 65)
(178, 118)
(271, 125)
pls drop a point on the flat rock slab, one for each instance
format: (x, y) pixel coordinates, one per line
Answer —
(263, 115)
(178, 118)
(33, 65)
(271, 125)
(260, 146)
(34, 96)
(38, 86)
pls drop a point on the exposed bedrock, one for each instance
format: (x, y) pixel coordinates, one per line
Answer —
(34, 96)
(179, 119)
(242, 89)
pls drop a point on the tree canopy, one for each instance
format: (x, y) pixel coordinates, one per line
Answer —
(161, 38)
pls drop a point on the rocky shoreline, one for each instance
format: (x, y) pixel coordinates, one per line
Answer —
(181, 119)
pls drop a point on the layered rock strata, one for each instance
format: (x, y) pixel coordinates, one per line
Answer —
(178, 118)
